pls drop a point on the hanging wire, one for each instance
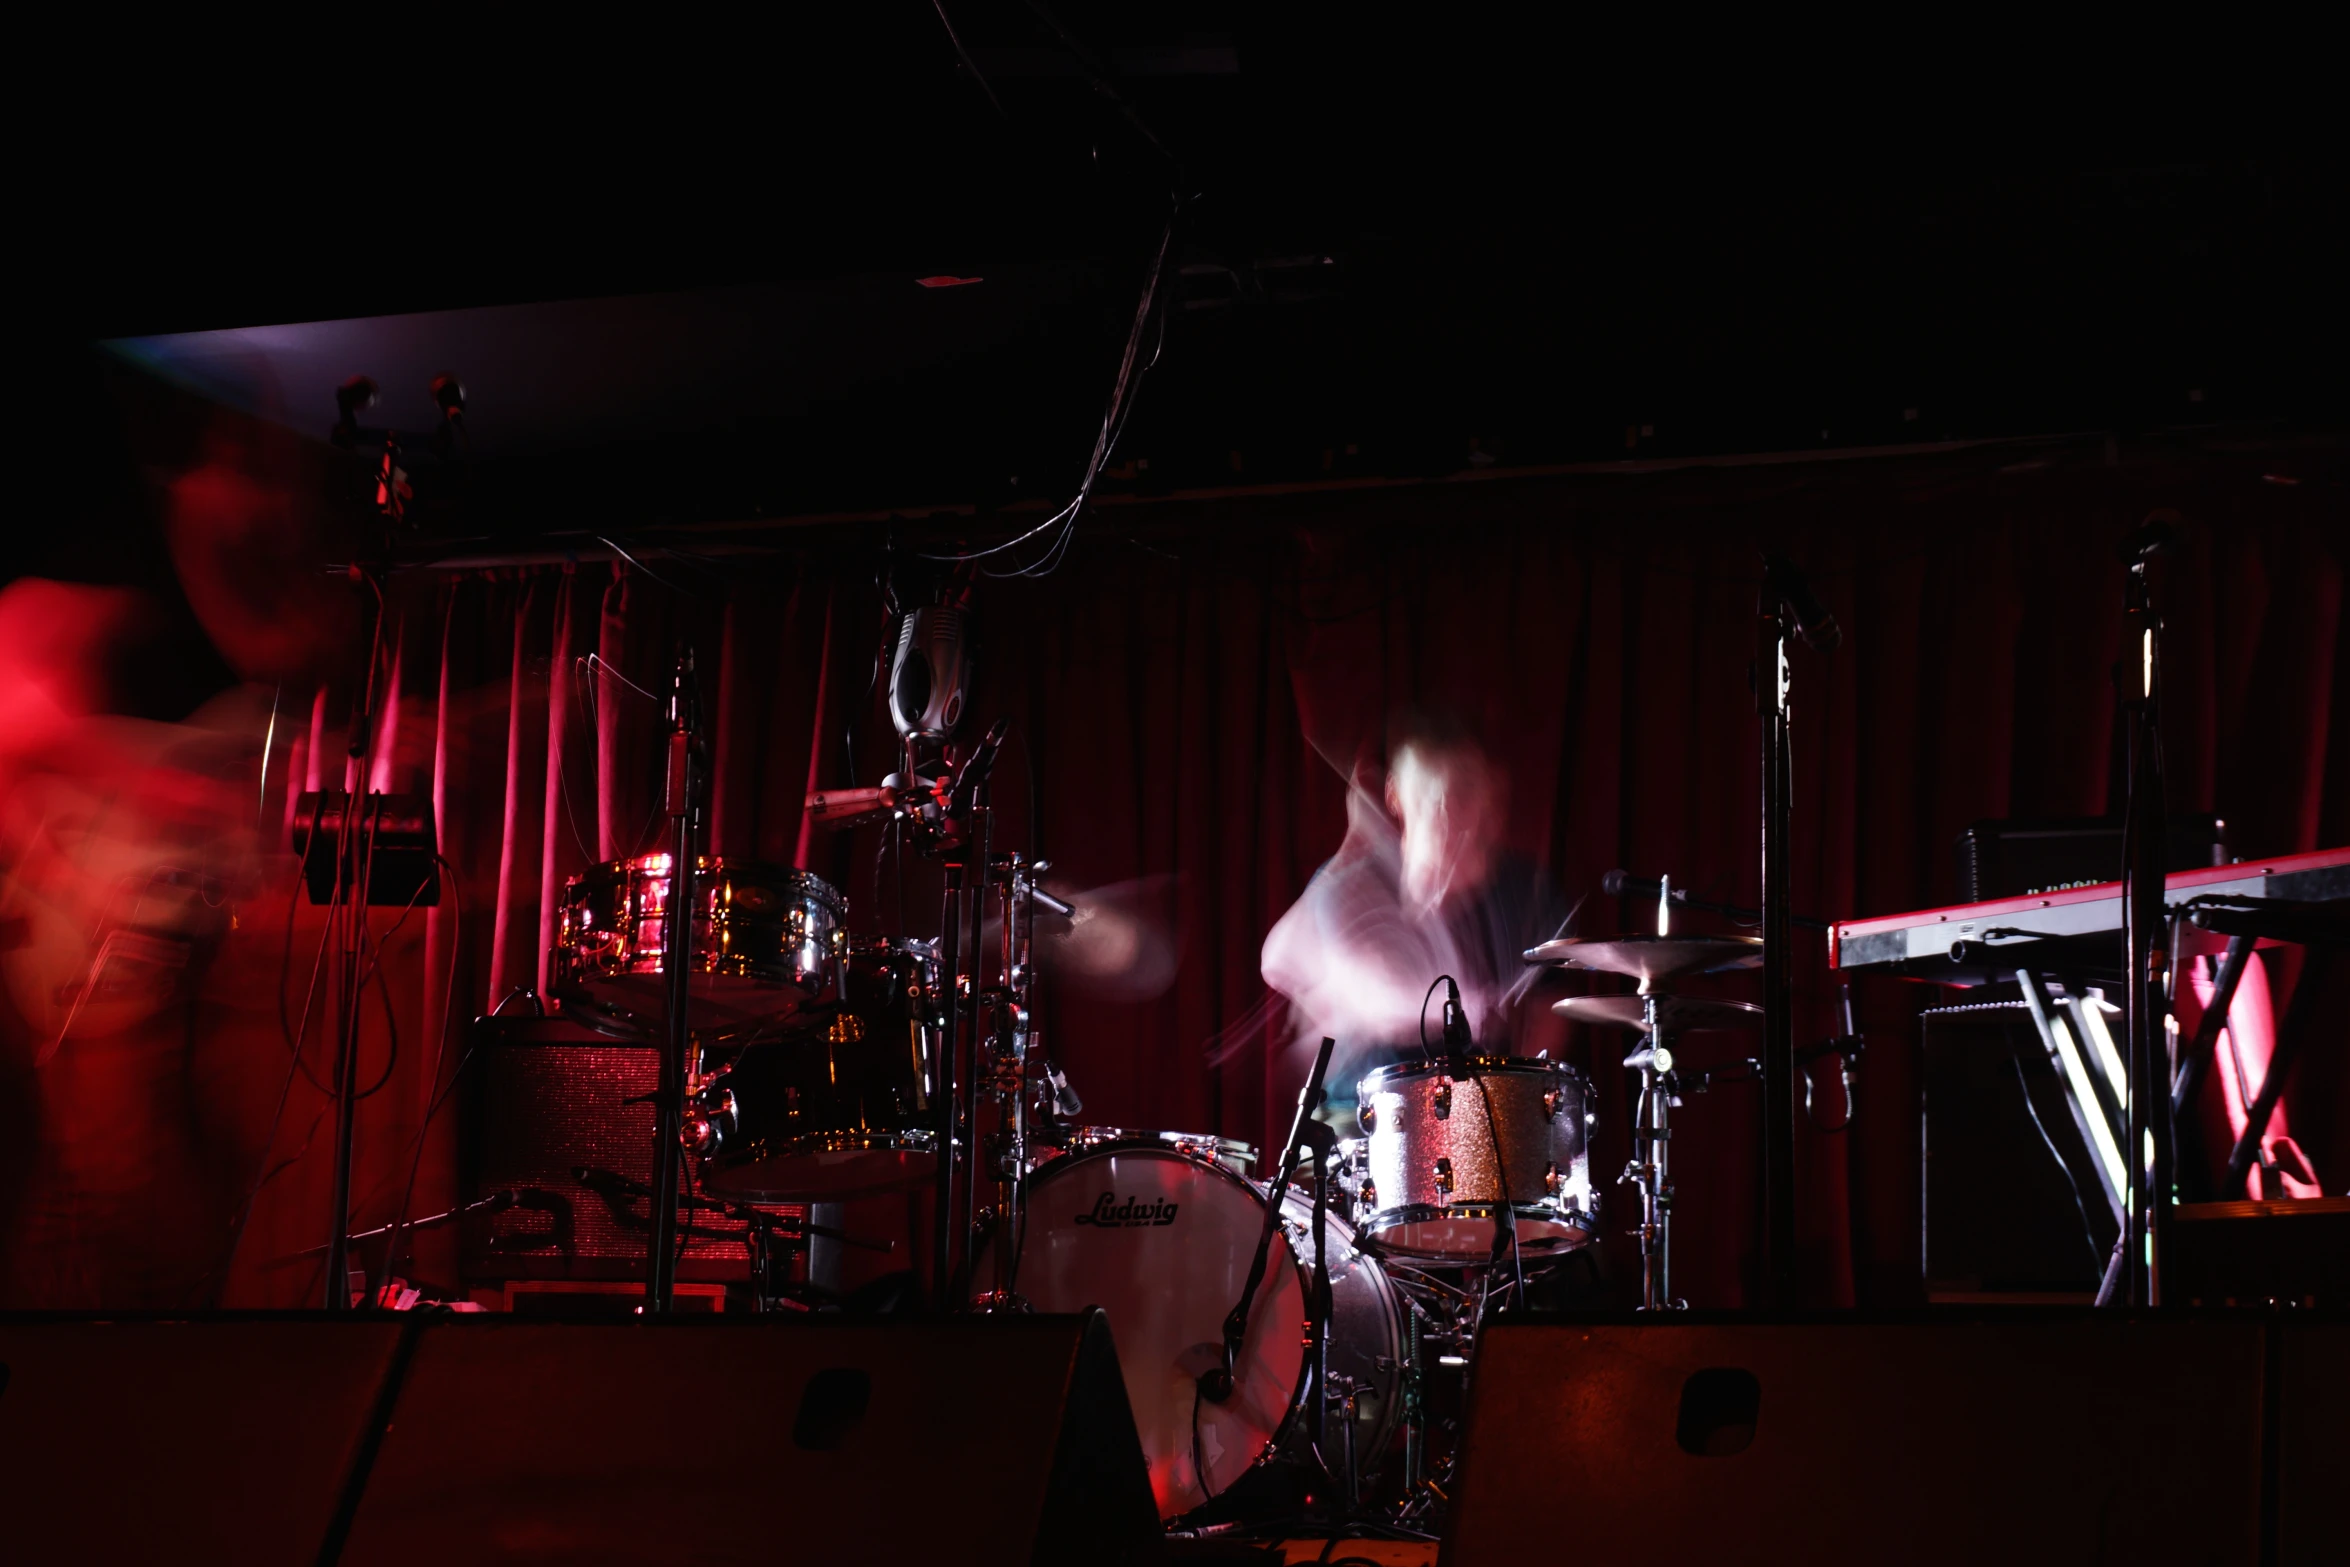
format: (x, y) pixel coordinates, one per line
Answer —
(1113, 425)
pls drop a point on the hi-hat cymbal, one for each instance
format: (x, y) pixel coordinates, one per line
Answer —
(1650, 958)
(1674, 1014)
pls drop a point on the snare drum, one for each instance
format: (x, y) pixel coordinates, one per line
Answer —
(766, 941)
(1431, 1188)
(1160, 1233)
(839, 1105)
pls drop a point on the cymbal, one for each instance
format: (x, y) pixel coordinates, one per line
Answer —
(1674, 1014)
(1650, 958)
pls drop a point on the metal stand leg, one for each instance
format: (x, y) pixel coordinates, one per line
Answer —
(1651, 1166)
(2096, 1113)
(2299, 1020)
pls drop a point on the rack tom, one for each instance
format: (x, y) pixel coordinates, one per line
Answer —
(837, 1105)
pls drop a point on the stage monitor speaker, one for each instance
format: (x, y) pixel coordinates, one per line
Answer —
(995, 1440)
(2313, 1439)
(225, 1440)
(2023, 1438)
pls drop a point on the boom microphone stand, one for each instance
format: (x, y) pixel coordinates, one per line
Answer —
(677, 945)
(2144, 840)
(1787, 610)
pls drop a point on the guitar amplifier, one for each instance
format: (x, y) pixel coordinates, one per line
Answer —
(2014, 858)
(548, 1099)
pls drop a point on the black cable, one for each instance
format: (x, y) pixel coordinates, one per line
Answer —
(1509, 1208)
(294, 1038)
(1199, 1464)
(1426, 997)
(2088, 1233)
(964, 55)
(440, 1054)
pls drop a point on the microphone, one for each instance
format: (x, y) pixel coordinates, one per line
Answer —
(1459, 1044)
(681, 732)
(1065, 1100)
(976, 767)
(930, 672)
(2157, 533)
(1812, 619)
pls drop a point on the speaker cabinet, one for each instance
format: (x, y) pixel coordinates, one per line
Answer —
(2024, 1438)
(225, 1440)
(999, 1440)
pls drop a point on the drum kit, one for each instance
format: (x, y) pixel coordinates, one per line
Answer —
(1293, 1317)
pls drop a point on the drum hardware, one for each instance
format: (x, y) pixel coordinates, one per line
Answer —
(711, 1114)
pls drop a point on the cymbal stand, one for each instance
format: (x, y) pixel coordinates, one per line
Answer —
(942, 1238)
(968, 1065)
(1009, 1037)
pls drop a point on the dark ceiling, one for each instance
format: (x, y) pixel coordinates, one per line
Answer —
(1398, 252)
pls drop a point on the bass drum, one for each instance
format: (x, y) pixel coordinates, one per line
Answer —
(1162, 1238)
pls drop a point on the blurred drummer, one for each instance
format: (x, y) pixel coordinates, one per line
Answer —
(1422, 886)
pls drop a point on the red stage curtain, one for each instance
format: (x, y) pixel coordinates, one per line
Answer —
(1175, 689)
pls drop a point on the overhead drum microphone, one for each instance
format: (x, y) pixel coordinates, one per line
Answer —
(930, 673)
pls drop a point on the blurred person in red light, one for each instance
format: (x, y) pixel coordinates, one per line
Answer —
(124, 846)
(1423, 885)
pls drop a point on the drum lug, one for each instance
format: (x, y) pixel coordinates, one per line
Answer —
(710, 1119)
(1367, 1116)
(1369, 1196)
(1551, 1100)
(1444, 1175)
(1551, 1181)
(1441, 1100)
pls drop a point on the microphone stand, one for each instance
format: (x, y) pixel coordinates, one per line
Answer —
(2144, 834)
(1307, 1133)
(1787, 609)
(1773, 675)
(677, 944)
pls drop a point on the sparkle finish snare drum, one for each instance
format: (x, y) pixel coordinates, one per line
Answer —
(1439, 1170)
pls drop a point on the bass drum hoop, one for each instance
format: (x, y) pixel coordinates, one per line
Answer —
(1339, 1233)
(1229, 1153)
